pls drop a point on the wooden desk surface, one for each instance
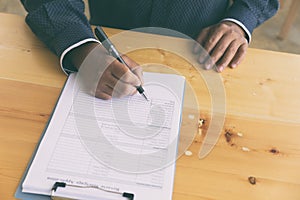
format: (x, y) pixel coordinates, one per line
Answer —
(263, 117)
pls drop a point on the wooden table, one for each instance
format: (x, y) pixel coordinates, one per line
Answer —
(260, 138)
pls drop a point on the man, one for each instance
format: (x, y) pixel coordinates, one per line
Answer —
(222, 27)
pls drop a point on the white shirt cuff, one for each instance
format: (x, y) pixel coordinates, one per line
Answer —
(73, 47)
(241, 25)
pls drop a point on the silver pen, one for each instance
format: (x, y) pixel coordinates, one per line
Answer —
(100, 34)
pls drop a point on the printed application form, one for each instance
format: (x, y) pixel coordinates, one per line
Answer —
(123, 145)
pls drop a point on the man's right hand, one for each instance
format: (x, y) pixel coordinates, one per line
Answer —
(115, 79)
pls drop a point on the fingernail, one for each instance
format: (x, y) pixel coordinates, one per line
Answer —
(200, 60)
(196, 48)
(207, 66)
(234, 65)
(221, 68)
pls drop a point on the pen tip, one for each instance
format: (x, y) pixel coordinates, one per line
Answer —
(145, 96)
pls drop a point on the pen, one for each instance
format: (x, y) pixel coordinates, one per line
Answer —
(100, 34)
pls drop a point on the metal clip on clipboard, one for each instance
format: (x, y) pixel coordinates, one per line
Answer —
(57, 185)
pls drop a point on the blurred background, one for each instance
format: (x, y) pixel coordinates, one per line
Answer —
(280, 33)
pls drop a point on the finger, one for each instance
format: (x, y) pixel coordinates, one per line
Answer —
(138, 71)
(123, 73)
(102, 88)
(117, 69)
(236, 49)
(197, 47)
(203, 54)
(200, 40)
(123, 89)
(103, 96)
(114, 72)
(212, 38)
(130, 63)
(108, 79)
(106, 84)
(114, 87)
(133, 92)
(105, 92)
(239, 56)
(118, 77)
(135, 68)
(218, 51)
(228, 55)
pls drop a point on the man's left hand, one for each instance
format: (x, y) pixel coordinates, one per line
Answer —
(225, 43)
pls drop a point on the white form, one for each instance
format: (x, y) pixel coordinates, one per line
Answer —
(124, 145)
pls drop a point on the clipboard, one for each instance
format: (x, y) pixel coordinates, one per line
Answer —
(60, 189)
(28, 196)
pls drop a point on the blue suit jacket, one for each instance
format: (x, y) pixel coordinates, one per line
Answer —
(62, 23)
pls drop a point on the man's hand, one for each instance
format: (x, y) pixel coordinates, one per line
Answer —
(225, 43)
(118, 80)
(102, 74)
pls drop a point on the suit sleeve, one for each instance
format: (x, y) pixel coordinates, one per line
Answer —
(252, 13)
(58, 23)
